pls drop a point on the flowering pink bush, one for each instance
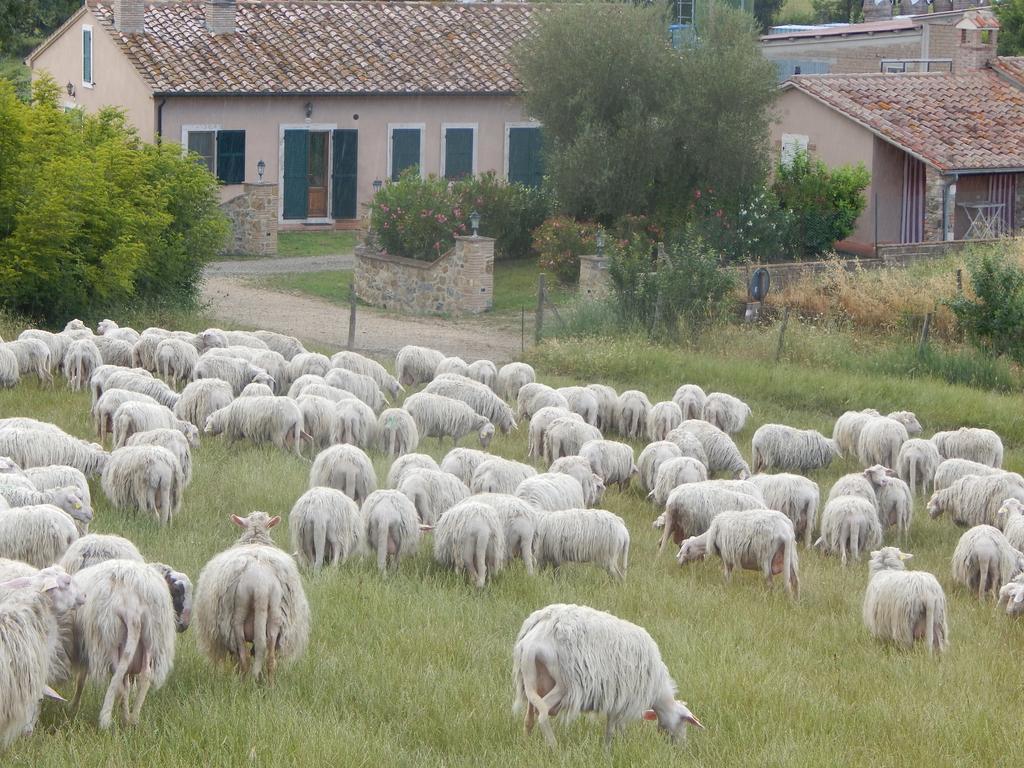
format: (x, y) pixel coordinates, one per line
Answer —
(559, 242)
(417, 218)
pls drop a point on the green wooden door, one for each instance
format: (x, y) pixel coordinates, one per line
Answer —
(525, 163)
(343, 174)
(296, 174)
(405, 150)
(458, 152)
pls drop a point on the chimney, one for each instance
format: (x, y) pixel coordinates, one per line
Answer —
(220, 16)
(877, 11)
(129, 16)
(976, 38)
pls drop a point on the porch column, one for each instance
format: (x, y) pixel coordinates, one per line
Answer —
(936, 202)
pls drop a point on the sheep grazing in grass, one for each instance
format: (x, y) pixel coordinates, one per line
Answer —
(497, 475)
(690, 398)
(539, 424)
(451, 365)
(132, 417)
(363, 387)
(688, 444)
(56, 343)
(904, 607)
(664, 417)
(96, 548)
(518, 519)
(137, 382)
(795, 496)
(534, 396)
(145, 478)
(565, 436)
(353, 361)
(632, 412)
(233, 370)
(10, 374)
(346, 468)
(981, 445)
(582, 401)
(323, 390)
(976, 499)
(1010, 520)
(416, 365)
(484, 371)
(114, 351)
(778, 447)
(320, 421)
(401, 466)
(392, 529)
(726, 412)
(612, 461)
(173, 441)
(175, 360)
(720, 452)
(439, 416)
(917, 462)
(470, 537)
(396, 432)
(432, 492)
(272, 363)
(37, 534)
(651, 458)
(66, 499)
(583, 536)
(144, 350)
(673, 473)
(463, 462)
(308, 363)
(607, 402)
(984, 560)
(896, 506)
(579, 468)
(478, 397)
(511, 377)
(755, 539)
(30, 448)
(552, 491)
(286, 346)
(125, 631)
(275, 420)
(570, 659)
(201, 398)
(111, 330)
(299, 386)
(690, 509)
(864, 484)
(31, 606)
(112, 399)
(325, 528)
(252, 594)
(847, 429)
(33, 357)
(880, 441)
(909, 420)
(256, 389)
(1011, 597)
(80, 360)
(355, 423)
(951, 470)
(58, 476)
(849, 526)
(98, 380)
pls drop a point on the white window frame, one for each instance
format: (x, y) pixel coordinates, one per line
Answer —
(508, 134)
(313, 127)
(200, 128)
(422, 128)
(475, 127)
(91, 83)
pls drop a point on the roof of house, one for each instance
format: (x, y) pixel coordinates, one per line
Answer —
(898, 24)
(327, 47)
(970, 121)
(1012, 66)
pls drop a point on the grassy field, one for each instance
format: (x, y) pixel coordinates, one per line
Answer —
(332, 285)
(325, 243)
(414, 669)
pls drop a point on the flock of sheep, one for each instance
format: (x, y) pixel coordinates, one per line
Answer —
(80, 605)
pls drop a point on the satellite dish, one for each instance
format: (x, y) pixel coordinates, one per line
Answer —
(760, 282)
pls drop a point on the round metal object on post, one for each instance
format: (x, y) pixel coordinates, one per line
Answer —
(760, 283)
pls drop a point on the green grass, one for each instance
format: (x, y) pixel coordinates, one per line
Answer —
(413, 669)
(332, 285)
(327, 243)
(515, 286)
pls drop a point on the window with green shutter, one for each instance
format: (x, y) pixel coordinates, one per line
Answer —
(525, 161)
(204, 144)
(405, 150)
(458, 152)
(87, 55)
(231, 156)
(296, 174)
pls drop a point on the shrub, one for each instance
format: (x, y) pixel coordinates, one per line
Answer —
(559, 242)
(416, 217)
(993, 319)
(508, 212)
(750, 229)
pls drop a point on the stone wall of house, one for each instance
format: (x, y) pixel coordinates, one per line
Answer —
(934, 185)
(253, 216)
(460, 282)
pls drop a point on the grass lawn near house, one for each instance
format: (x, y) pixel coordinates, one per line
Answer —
(325, 243)
(330, 285)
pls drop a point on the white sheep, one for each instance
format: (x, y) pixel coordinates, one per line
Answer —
(286, 346)
(24, 422)
(276, 420)
(1010, 520)
(690, 508)
(795, 496)
(519, 523)
(30, 448)
(720, 452)
(778, 447)
(581, 401)
(534, 396)
(201, 398)
(463, 462)
(132, 417)
(322, 390)
(1011, 596)
(319, 419)
(498, 475)
(477, 396)
(903, 606)
(272, 363)
(325, 528)
(632, 412)
(570, 659)
(664, 417)
(612, 461)
(146, 478)
(607, 401)
(895, 506)
(432, 492)
(80, 360)
(33, 357)
(864, 484)
(951, 470)
(909, 420)
(565, 436)
(114, 351)
(673, 473)
(346, 468)
(252, 594)
(579, 468)
(849, 526)
(56, 343)
(416, 365)
(312, 363)
(173, 441)
(539, 424)
(552, 491)
(754, 539)
(405, 464)
(58, 476)
(144, 350)
(105, 408)
(880, 441)
(917, 462)
(255, 389)
(511, 377)
(392, 529)
(396, 432)
(233, 370)
(847, 429)
(690, 398)
(451, 365)
(484, 371)
(439, 416)
(175, 360)
(212, 338)
(37, 534)
(96, 548)
(651, 458)
(66, 499)
(984, 560)
(583, 536)
(363, 387)
(110, 329)
(353, 361)
(726, 412)
(10, 374)
(470, 537)
(976, 499)
(355, 423)
(981, 445)
(136, 382)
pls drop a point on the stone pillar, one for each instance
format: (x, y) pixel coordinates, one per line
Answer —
(474, 278)
(934, 193)
(253, 216)
(594, 280)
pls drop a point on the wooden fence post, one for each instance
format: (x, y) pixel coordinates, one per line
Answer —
(924, 333)
(782, 333)
(959, 281)
(541, 297)
(352, 315)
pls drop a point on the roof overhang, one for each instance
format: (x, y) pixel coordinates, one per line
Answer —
(348, 94)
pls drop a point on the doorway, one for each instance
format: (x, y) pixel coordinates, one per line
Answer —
(316, 174)
(319, 174)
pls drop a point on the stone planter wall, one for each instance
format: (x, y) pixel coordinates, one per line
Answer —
(460, 282)
(253, 216)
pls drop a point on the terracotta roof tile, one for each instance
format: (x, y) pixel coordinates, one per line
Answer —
(342, 47)
(967, 121)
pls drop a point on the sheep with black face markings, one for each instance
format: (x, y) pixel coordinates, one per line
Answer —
(612, 461)
(346, 468)
(778, 447)
(984, 560)
(904, 606)
(326, 528)
(470, 537)
(720, 452)
(579, 468)
(432, 492)
(392, 529)
(275, 420)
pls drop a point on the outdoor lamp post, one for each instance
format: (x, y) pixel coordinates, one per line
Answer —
(260, 168)
(474, 223)
(599, 241)
(377, 184)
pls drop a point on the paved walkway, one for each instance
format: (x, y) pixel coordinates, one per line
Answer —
(280, 266)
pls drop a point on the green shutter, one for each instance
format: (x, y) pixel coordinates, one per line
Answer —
(525, 161)
(231, 156)
(343, 174)
(458, 153)
(295, 177)
(405, 150)
(87, 56)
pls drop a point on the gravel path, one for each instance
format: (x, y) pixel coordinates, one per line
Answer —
(377, 333)
(280, 266)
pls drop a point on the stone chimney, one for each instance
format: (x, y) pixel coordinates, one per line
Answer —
(877, 11)
(129, 16)
(220, 16)
(977, 34)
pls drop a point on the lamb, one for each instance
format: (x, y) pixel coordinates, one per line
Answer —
(476, 396)
(355, 423)
(252, 593)
(346, 468)
(552, 491)
(137, 382)
(607, 402)
(583, 536)
(10, 373)
(895, 506)
(58, 476)
(581, 401)
(353, 361)
(276, 420)
(30, 448)
(778, 447)
(175, 360)
(690, 509)
(512, 376)
(651, 458)
(534, 396)
(880, 441)
(325, 528)
(632, 413)
(976, 499)
(363, 387)
(664, 417)
(726, 412)
(286, 346)
(849, 525)
(416, 365)
(33, 356)
(201, 398)
(125, 630)
(145, 478)
(612, 461)
(320, 419)
(451, 365)
(66, 499)
(392, 529)
(539, 424)
(518, 519)
(573, 659)
(172, 440)
(132, 417)
(565, 436)
(721, 453)
(951, 470)
(864, 484)
(485, 372)
(1011, 597)
(579, 468)
(795, 496)
(463, 462)
(80, 360)
(432, 492)
(396, 432)
(1010, 520)
(497, 475)
(312, 363)
(981, 445)
(112, 399)
(470, 537)
(903, 606)
(847, 429)
(114, 351)
(984, 560)
(677, 471)
(917, 461)
(38, 534)
(405, 464)
(234, 371)
(909, 420)
(690, 398)
(98, 548)
(30, 607)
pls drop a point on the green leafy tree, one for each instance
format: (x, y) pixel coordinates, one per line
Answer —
(765, 12)
(994, 319)
(1011, 27)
